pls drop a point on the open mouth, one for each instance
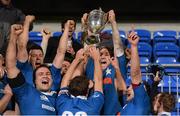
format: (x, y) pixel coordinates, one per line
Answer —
(45, 80)
(37, 63)
(103, 62)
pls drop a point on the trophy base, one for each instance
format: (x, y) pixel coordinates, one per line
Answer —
(93, 39)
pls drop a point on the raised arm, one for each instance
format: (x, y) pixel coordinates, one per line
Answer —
(12, 70)
(6, 98)
(121, 85)
(135, 63)
(2, 69)
(94, 53)
(69, 74)
(61, 50)
(80, 68)
(22, 54)
(46, 34)
(118, 45)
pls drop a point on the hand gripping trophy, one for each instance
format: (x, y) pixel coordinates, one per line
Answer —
(96, 21)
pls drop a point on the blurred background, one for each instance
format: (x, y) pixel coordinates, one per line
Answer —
(126, 10)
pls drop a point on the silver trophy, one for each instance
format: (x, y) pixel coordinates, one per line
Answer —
(97, 19)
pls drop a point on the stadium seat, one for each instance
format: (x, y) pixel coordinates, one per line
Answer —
(57, 34)
(165, 36)
(145, 50)
(121, 33)
(166, 50)
(35, 37)
(169, 83)
(145, 35)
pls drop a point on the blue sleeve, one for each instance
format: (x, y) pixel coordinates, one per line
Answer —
(21, 65)
(140, 94)
(122, 65)
(89, 71)
(4, 79)
(62, 96)
(56, 76)
(97, 99)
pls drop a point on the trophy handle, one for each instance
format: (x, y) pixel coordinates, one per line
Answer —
(106, 20)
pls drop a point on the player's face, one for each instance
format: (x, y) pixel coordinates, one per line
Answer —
(156, 104)
(5, 2)
(43, 79)
(65, 66)
(128, 53)
(104, 58)
(36, 58)
(130, 93)
(72, 28)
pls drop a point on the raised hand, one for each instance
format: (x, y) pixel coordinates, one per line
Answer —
(133, 38)
(111, 16)
(7, 90)
(80, 54)
(16, 30)
(68, 25)
(114, 62)
(84, 20)
(94, 53)
(46, 33)
(29, 18)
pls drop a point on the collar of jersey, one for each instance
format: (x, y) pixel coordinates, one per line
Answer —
(166, 113)
(49, 93)
(80, 97)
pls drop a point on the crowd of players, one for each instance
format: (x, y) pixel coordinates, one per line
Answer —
(81, 80)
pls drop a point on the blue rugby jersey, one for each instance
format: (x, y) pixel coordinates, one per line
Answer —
(111, 104)
(30, 100)
(140, 104)
(67, 104)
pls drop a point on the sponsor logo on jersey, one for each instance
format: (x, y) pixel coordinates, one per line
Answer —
(108, 71)
(107, 80)
(44, 98)
(44, 106)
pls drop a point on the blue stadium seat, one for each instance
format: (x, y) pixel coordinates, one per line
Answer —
(121, 33)
(169, 36)
(169, 83)
(35, 37)
(57, 34)
(166, 50)
(145, 35)
(169, 60)
(145, 50)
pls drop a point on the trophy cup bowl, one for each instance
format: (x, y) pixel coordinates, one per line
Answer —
(96, 22)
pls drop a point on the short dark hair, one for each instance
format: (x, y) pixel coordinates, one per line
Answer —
(108, 47)
(79, 86)
(34, 46)
(63, 22)
(68, 57)
(168, 101)
(35, 70)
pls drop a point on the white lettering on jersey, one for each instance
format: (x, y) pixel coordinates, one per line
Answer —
(124, 106)
(48, 108)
